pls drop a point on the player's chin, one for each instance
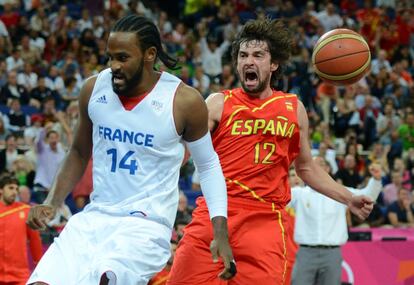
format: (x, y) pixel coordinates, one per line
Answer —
(118, 88)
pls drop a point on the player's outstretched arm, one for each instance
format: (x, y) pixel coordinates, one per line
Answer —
(191, 119)
(313, 175)
(72, 167)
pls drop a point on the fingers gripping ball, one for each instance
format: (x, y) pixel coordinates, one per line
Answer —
(341, 57)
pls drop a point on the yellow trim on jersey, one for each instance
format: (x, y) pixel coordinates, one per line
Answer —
(228, 96)
(11, 211)
(241, 108)
(272, 100)
(245, 187)
(284, 245)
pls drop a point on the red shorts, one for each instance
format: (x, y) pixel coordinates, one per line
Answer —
(259, 239)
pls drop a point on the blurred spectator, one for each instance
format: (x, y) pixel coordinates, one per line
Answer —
(23, 170)
(328, 154)
(378, 155)
(15, 235)
(410, 164)
(406, 132)
(401, 212)
(70, 92)
(25, 195)
(325, 93)
(14, 61)
(41, 92)
(184, 210)
(369, 114)
(380, 62)
(4, 132)
(347, 115)
(9, 154)
(13, 90)
(29, 54)
(391, 189)
(329, 19)
(54, 81)
(201, 81)
(31, 132)
(387, 123)
(228, 79)
(18, 120)
(294, 179)
(9, 16)
(399, 165)
(347, 175)
(27, 77)
(211, 52)
(50, 154)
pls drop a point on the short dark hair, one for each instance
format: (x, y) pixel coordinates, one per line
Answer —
(274, 33)
(148, 35)
(7, 179)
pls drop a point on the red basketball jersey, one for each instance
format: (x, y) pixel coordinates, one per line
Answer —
(257, 140)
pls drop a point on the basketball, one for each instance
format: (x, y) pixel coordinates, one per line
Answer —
(341, 57)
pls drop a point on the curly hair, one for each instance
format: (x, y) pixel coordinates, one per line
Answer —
(275, 34)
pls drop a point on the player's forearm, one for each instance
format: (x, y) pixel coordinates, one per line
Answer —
(67, 177)
(319, 180)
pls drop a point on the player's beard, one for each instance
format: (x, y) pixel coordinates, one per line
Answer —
(260, 87)
(131, 83)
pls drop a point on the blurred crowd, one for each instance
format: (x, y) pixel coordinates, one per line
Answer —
(47, 49)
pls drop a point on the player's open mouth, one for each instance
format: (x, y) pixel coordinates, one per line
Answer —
(118, 79)
(251, 78)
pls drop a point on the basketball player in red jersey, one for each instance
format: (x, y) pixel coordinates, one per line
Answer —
(257, 133)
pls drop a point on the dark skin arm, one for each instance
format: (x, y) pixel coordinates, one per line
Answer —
(73, 166)
(191, 120)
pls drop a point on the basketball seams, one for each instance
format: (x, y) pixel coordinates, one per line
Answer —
(345, 76)
(343, 55)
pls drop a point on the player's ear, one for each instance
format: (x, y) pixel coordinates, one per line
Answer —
(150, 54)
(274, 66)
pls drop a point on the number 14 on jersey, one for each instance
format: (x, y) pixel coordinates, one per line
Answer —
(124, 163)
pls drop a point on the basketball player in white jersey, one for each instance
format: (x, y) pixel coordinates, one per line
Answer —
(134, 121)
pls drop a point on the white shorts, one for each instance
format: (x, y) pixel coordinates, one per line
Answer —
(92, 243)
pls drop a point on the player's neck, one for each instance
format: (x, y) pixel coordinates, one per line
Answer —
(261, 95)
(148, 83)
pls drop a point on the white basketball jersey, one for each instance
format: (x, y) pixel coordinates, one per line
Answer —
(137, 154)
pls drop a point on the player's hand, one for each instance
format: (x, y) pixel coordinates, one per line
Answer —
(220, 247)
(361, 206)
(375, 171)
(40, 215)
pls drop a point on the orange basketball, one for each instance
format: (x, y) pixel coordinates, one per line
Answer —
(341, 57)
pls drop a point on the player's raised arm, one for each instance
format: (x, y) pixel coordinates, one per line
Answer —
(73, 166)
(191, 117)
(313, 175)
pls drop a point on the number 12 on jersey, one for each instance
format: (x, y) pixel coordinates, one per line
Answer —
(263, 153)
(132, 165)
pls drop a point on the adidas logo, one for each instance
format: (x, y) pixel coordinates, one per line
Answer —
(102, 99)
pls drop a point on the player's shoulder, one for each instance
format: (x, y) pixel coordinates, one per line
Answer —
(187, 96)
(89, 83)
